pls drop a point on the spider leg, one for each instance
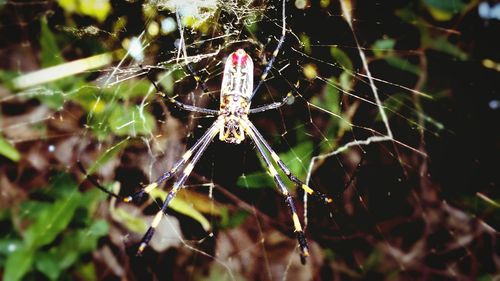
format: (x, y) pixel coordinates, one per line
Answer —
(304, 250)
(275, 53)
(192, 108)
(96, 182)
(317, 195)
(270, 106)
(197, 78)
(180, 104)
(203, 141)
(176, 187)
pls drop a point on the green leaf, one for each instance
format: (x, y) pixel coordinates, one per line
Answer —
(232, 221)
(251, 23)
(52, 221)
(298, 158)
(69, 5)
(451, 6)
(382, 46)
(87, 272)
(18, 264)
(330, 97)
(403, 64)
(90, 199)
(6, 77)
(50, 54)
(440, 15)
(306, 43)
(394, 103)
(98, 228)
(203, 203)
(445, 46)
(98, 9)
(91, 98)
(48, 265)
(8, 150)
(167, 80)
(67, 251)
(131, 121)
(187, 209)
(341, 57)
(255, 180)
(444, 10)
(62, 186)
(183, 207)
(132, 223)
(135, 89)
(81, 241)
(7, 245)
(66, 254)
(30, 210)
(346, 81)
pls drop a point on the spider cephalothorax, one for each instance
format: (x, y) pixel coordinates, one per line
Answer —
(233, 109)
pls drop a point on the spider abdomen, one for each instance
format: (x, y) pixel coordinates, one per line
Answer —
(236, 90)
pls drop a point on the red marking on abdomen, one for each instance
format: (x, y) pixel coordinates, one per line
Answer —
(239, 58)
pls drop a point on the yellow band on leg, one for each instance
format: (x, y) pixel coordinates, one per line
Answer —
(307, 189)
(141, 248)
(273, 171)
(150, 187)
(187, 155)
(296, 222)
(157, 219)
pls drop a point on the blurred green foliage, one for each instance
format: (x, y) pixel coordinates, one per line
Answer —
(444, 10)
(51, 232)
(8, 150)
(228, 220)
(109, 108)
(98, 9)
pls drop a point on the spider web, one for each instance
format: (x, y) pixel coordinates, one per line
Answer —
(363, 127)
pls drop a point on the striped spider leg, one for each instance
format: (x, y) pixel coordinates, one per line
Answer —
(200, 145)
(304, 249)
(257, 137)
(236, 96)
(197, 149)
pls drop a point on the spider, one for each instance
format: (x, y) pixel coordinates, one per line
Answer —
(232, 124)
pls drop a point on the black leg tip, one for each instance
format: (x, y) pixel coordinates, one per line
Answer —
(303, 259)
